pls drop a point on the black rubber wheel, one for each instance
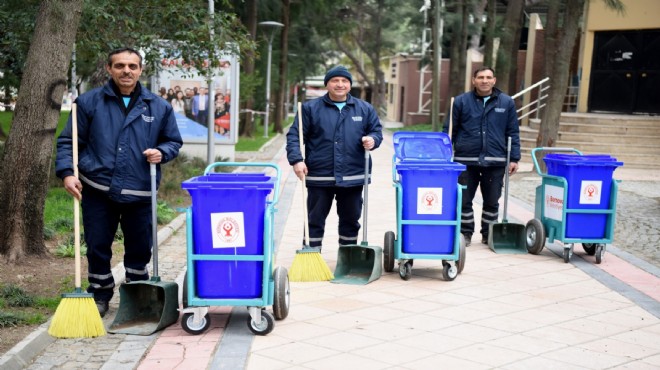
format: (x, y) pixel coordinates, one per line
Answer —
(535, 236)
(405, 271)
(460, 264)
(449, 272)
(265, 326)
(600, 253)
(567, 254)
(388, 252)
(589, 248)
(188, 324)
(184, 290)
(282, 293)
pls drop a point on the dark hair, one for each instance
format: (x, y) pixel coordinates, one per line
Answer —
(481, 69)
(122, 50)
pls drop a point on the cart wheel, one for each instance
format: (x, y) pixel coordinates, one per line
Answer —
(405, 270)
(265, 326)
(535, 236)
(184, 290)
(600, 253)
(188, 323)
(282, 293)
(449, 272)
(388, 252)
(460, 264)
(568, 253)
(590, 248)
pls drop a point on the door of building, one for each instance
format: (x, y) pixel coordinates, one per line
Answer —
(625, 72)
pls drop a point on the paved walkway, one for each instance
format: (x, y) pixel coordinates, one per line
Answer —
(503, 311)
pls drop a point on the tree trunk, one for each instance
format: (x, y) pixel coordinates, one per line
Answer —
(491, 22)
(281, 93)
(566, 38)
(457, 54)
(506, 62)
(550, 36)
(247, 127)
(29, 147)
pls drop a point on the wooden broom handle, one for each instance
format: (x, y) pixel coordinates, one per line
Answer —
(451, 116)
(304, 186)
(76, 202)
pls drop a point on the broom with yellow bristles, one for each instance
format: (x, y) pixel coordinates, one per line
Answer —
(308, 265)
(77, 315)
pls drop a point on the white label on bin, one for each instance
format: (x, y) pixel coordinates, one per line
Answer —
(429, 201)
(228, 230)
(590, 191)
(554, 202)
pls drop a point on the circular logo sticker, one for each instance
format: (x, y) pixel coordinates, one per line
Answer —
(228, 229)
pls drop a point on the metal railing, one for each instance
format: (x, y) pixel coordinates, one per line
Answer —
(537, 104)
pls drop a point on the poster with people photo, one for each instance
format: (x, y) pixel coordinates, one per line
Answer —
(189, 94)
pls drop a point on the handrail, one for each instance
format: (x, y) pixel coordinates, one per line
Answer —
(523, 92)
(538, 103)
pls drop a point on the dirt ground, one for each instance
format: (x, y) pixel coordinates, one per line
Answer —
(45, 276)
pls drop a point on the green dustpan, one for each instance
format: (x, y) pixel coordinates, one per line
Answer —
(360, 264)
(504, 237)
(147, 306)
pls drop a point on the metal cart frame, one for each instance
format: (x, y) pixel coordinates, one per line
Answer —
(452, 264)
(275, 283)
(541, 227)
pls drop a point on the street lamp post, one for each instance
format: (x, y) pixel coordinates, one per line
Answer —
(272, 26)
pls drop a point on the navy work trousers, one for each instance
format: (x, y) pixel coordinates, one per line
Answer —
(349, 207)
(101, 217)
(490, 180)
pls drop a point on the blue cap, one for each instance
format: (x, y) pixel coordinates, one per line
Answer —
(338, 71)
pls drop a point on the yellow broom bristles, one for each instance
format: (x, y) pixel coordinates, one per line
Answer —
(309, 266)
(76, 318)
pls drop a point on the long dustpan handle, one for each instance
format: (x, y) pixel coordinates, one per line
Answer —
(506, 177)
(76, 202)
(304, 186)
(365, 208)
(154, 217)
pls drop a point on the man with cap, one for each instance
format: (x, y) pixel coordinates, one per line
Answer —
(337, 130)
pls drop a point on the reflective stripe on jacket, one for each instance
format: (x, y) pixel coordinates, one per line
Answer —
(333, 140)
(111, 142)
(479, 133)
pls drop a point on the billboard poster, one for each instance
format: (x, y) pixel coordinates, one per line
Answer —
(191, 97)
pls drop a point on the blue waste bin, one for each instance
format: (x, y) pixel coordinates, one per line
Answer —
(429, 183)
(589, 183)
(228, 219)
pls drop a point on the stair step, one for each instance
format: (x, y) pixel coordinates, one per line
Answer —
(634, 140)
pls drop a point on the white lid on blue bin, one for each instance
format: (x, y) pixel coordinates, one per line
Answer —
(423, 146)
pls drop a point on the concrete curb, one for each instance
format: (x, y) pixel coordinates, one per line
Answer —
(22, 354)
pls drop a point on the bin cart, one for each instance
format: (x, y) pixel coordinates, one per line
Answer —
(230, 248)
(428, 205)
(575, 203)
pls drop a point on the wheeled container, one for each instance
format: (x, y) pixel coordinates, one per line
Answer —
(428, 205)
(575, 203)
(230, 247)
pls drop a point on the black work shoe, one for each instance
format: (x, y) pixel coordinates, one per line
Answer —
(468, 239)
(484, 239)
(102, 306)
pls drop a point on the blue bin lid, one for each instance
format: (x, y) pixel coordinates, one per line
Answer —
(582, 160)
(230, 181)
(424, 146)
(429, 166)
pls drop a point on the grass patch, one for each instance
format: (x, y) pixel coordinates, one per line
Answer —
(14, 296)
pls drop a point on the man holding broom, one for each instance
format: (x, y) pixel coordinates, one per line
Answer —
(337, 129)
(122, 128)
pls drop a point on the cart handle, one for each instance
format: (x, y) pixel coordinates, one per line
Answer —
(549, 149)
(251, 164)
